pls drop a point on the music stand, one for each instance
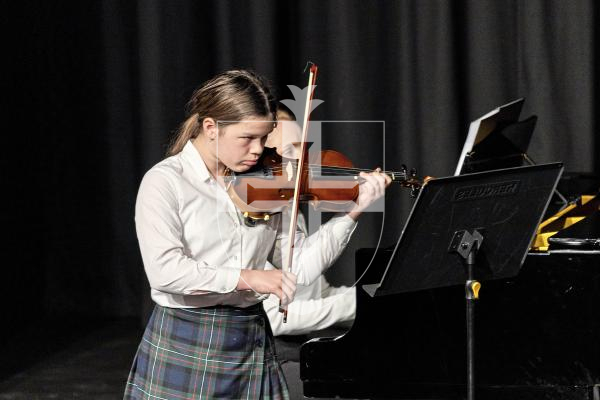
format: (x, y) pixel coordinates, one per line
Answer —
(466, 229)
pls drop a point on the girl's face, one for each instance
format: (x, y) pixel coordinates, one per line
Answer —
(240, 145)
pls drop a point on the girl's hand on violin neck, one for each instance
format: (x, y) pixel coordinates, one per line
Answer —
(280, 283)
(370, 190)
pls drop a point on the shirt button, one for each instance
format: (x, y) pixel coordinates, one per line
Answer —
(258, 343)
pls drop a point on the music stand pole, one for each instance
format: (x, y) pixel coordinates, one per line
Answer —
(466, 245)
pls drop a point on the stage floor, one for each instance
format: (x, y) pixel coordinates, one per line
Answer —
(94, 366)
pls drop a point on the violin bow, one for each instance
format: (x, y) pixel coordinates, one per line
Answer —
(287, 266)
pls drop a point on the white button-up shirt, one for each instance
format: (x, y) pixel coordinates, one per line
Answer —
(194, 242)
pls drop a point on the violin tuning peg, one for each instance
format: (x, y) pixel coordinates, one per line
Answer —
(413, 172)
(404, 167)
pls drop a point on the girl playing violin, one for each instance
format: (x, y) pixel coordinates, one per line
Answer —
(208, 336)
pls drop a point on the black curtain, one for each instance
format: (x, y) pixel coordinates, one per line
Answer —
(93, 91)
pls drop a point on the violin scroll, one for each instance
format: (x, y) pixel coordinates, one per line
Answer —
(410, 180)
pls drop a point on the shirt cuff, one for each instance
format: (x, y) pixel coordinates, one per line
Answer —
(227, 279)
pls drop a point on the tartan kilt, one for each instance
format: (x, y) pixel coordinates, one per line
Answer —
(218, 352)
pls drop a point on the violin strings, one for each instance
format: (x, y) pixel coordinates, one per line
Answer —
(332, 171)
(342, 171)
(333, 168)
(339, 170)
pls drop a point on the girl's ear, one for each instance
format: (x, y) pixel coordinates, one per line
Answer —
(209, 127)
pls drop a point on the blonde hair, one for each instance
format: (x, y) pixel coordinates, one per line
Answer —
(228, 97)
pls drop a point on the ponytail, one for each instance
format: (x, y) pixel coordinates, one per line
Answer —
(190, 129)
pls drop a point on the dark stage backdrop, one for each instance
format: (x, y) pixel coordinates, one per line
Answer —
(93, 90)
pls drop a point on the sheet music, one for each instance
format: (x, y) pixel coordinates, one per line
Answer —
(480, 128)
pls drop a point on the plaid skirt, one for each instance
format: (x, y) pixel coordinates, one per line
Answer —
(218, 352)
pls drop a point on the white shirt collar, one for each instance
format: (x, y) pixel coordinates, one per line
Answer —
(191, 155)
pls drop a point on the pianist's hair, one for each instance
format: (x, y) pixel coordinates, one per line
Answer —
(228, 97)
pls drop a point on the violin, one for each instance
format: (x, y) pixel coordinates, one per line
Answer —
(329, 181)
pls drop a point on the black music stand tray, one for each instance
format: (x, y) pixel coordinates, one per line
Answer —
(466, 229)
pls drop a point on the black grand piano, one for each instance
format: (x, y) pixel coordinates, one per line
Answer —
(538, 337)
(537, 334)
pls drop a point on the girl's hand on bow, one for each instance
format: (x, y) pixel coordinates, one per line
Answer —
(280, 283)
